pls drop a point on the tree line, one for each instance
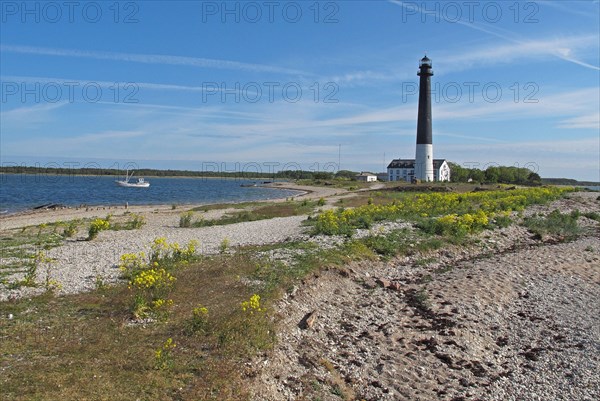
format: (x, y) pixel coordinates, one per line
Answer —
(287, 174)
(494, 174)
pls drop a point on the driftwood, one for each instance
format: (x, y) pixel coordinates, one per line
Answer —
(50, 206)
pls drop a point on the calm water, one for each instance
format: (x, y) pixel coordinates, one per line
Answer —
(22, 192)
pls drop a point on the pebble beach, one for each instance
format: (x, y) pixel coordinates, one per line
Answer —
(510, 318)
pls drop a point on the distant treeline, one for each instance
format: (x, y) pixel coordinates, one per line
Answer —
(288, 174)
(494, 174)
(568, 181)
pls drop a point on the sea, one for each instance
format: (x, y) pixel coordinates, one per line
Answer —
(22, 192)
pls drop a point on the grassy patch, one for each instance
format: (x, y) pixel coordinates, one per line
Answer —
(220, 206)
(437, 213)
(389, 245)
(349, 185)
(555, 223)
(402, 242)
(592, 215)
(132, 222)
(305, 258)
(84, 347)
(19, 248)
(268, 211)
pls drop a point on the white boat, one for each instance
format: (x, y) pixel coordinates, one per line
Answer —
(141, 183)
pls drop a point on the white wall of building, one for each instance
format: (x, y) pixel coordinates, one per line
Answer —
(406, 174)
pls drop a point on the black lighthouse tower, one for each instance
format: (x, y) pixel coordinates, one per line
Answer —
(424, 151)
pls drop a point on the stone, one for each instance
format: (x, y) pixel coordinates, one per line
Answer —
(308, 320)
(383, 282)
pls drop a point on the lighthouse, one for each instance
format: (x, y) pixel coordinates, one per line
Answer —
(424, 153)
(423, 167)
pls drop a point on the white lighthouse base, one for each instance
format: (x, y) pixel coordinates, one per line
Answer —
(424, 162)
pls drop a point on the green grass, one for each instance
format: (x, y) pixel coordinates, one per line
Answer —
(81, 347)
(19, 247)
(219, 206)
(592, 215)
(403, 242)
(131, 221)
(555, 223)
(349, 185)
(268, 211)
(389, 245)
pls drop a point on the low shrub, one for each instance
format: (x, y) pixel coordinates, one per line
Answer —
(136, 221)
(96, 226)
(224, 246)
(502, 220)
(71, 229)
(151, 276)
(555, 223)
(163, 356)
(388, 245)
(199, 321)
(185, 219)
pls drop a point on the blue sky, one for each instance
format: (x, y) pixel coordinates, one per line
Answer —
(282, 84)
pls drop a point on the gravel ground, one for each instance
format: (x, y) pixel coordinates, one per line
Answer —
(78, 263)
(509, 318)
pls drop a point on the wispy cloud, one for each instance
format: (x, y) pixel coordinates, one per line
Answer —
(586, 121)
(582, 9)
(210, 89)
(152, 59)
(559, 48)
(562, 48)
(23, 113)
(28, 117)
(106, 135)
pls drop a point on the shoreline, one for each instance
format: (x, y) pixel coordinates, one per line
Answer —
(78, 263)
(33, 217)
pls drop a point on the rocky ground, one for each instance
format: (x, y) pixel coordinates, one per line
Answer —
(507, 318)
